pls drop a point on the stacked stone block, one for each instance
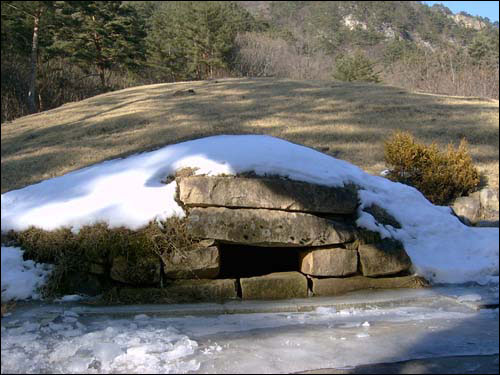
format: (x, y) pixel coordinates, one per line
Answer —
(275, 212)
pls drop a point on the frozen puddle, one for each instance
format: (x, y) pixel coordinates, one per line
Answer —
(59, 339)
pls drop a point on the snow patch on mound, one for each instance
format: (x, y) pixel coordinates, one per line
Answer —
(129, 192)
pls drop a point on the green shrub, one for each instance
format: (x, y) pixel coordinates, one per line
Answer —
(355, 68)
(440, 176)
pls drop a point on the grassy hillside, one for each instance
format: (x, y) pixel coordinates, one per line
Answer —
(347, 120)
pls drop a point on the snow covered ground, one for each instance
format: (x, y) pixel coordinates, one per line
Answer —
(63, 339)
(21, 279)
(129, 192)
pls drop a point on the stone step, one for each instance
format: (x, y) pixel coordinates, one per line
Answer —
(277, 285)
(362, 299)
(179, 291)
(334, 286)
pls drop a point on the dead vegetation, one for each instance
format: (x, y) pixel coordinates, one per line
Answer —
(76, 255)
(7, 307)
(349, 121)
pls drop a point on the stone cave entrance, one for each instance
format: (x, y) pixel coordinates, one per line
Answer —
(238, 261)
(310, 244)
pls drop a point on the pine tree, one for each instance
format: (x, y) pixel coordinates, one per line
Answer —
(355, 68)
(105, 35)
(484, 49)
(195, 40)
(21, 28)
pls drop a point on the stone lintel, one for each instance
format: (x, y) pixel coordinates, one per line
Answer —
(262, 227)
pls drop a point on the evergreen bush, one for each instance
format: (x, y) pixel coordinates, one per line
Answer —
(440, 176)
(355, 68)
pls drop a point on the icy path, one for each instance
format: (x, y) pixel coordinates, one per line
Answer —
(60, 338)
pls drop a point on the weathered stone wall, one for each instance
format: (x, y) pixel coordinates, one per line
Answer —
(267, 238)
(313, 224)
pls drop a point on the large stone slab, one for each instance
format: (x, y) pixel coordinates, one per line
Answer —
(272, 193)
(262, 227)
(277, 285)
(386, 257)
(338, 286)
(334, 261)
(179, 291)
(199, 263)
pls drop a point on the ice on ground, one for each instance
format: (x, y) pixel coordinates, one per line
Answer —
(71, 313)
(141, 317)
(69, 298)
(244, 343)
(474, 297)
(326, 310)
(21, 279)
(127, 192)
(108, 346)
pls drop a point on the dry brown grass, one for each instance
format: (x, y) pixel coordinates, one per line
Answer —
(348, 120)
(74, 255)
(7, 307)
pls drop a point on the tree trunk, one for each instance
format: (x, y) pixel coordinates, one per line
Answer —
(34, 60)
(100, 63)
(102, 76)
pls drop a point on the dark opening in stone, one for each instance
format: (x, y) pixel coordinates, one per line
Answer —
(247, 261)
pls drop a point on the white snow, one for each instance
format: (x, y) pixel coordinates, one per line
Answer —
(141, 317)
(362, 335)
(129, 192)
(474, 297)
(21, 278)
(69, 298)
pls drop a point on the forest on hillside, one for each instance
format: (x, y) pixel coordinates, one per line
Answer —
(53, 52)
